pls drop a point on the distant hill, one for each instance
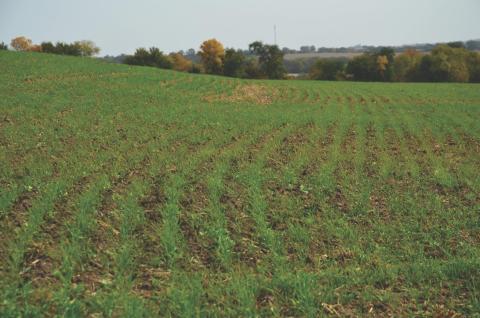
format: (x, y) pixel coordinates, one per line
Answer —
(473, 45)
(321, 55)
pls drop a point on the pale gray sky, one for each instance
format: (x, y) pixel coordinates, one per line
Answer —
(120, 26)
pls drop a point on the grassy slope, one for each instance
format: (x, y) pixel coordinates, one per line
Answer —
(132, 191)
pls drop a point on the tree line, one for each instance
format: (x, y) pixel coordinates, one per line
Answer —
(451, 62)
(263, 61)
(77, 48)
(445, 63)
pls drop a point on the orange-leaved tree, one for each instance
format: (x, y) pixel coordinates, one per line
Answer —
(21, 43)
(35, 48)
(212, 54)
(382, 63)
(180, 63)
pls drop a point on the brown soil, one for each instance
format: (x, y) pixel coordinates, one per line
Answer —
(253, 94)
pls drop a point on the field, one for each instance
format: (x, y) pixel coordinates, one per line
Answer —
(137, 192)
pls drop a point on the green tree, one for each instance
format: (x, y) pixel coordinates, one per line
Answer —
(362, 68)
(406, 66)
(252, 69)
(474, 67)
(449, 64)
(48, 47)
(140, 57)
(424, 73)
(3, 46)
(373, 66)
(270, 59)
(234, 64)
(78, 48)
(87, 48)
(158, 59)
(197, 68)
(67, 49)
(327, 70)
(152, 57)
(456, 45)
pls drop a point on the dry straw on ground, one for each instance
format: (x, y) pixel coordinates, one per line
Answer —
(254, 94)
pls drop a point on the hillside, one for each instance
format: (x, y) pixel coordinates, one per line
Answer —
(132, 191)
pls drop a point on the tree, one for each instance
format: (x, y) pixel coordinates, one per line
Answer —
(3, 46)
(212, 54)
(327, 70)
(153, 57)
(252, 69)
(140, 57)
(373, 66)
(296, 66)
(35, 48)
(449, 64)
(385, 58)
(67, 49)
(424, 73)
(78, 48)
(474, 67)
(180, 63)
(197, 68)
(87, 48)
(406, 66)
(473, 45)
(234, 64)
(382, 64)
(48, 47)
(362, 68)
(21, 43)
(270, 59)
(158, 59)
(456, 45)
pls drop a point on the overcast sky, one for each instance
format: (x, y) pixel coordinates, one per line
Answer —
(120, 26)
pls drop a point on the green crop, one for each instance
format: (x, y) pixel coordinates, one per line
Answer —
(137, 192)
